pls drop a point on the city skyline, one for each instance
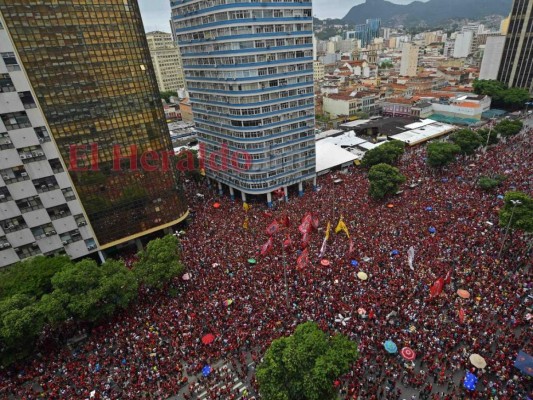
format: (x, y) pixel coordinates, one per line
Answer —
(156, 13)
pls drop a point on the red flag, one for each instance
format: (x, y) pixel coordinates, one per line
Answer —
(267, 246)
(272, 228)
(285, 221)
(305, 240)
(305, 226)
(314, 223)
(287, 242)
(448, 278)
(303, 259)
(437, 287)
(461, 315)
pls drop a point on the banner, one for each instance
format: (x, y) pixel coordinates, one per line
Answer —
(328, 229)
(245, 206)
(272, 228)
(305, 226)
(287, 242)
(437, 287)
(302, 260)
(323, 248)
(245, 224)
(341, 226)
(411, 257)
(285, 221)
(461, 315)
(267, 246)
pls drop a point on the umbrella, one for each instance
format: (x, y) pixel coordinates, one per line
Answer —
(361, 311)
(251, 261)
(228, 302)
(477, 361)
(408, 354)
(361, 275)
(463, 293)
(391, 347)
(324, 262)
(206, 370)
(395, 252)
(216, 205)
(186, 276)
(208, 339)
(215, 265)
(342, 319)
(470, 381)
(366, 259)
(432, 229)
(354, 263)
(390, 205)
(429, 208)
(500, 197)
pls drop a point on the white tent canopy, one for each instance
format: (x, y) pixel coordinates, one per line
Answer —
(328, 156)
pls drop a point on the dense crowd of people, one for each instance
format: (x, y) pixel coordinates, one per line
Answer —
(154, 348)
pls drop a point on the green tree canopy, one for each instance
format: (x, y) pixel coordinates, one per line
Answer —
(388, 153)
(386, 65)
(90, 292)
(501, 95)
(467, 140)
(489, 183)
(32, 276)
(509, 127)
(384, 180)
(522, 216)
(515, 97)
(168, 94)
(489, 87)
(440, 154)
(483, 133)
(304, 365)
(159, 263)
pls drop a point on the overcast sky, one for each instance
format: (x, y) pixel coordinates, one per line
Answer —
(156, 13)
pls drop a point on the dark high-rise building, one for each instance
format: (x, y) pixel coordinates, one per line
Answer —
(516, 69)
(90, 71)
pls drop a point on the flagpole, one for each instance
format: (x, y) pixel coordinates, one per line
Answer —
(285, 276)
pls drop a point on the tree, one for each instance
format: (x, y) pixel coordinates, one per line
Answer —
(90, 292)
(168, 94)
(388, 153)
(522, 213)
(386, 65)
(509, 127)
(483, 133)
(440, 154)
(384, 180)
(490, 87)
(20, 325)
(32, 276)
(490, 183)
(515, 97)
(304, 365)
(159, 263)
(467, 140)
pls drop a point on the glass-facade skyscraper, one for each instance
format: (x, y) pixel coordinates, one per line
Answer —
(249, 72)
(90, 70)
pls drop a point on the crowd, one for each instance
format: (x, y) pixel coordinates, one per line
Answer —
(152, 349)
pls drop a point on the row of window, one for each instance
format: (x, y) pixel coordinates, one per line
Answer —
(19, 173)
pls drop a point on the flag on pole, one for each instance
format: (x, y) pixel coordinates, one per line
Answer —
(305, 226)
(341, 226)
(328, 229)
(314, 222)
(305, 240)
(411, 257)
(285, 221)
(461, 315)
(245, 206)
(272, 228)
(437, 287)
(267, 246)
(302, 260)
(245, 224)
(323, 248)
(287, 242)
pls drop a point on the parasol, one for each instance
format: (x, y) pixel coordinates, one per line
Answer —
(208, 339)
(228, 302)
(251, 261)
(342, 319)
(354, 263)
(324, 262)
(206, 370)
(216, 205)
(477, 361)
(408, 353)
(432, 229)
(362, 275)
(390, 347)
(186, 276)
(464, 294)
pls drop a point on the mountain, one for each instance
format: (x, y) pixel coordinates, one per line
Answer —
(432, 13)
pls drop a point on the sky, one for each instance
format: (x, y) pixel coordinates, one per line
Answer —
(156, 13)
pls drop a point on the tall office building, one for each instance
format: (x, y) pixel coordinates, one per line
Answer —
(166, 59)
(492, 57)
(409, 61)
(516, 69)
(83, 74)
(249, 72)
(367, 32)
(463, 44)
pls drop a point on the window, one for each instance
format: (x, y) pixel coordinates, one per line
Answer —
(6, 84)
(5, 141)
(57, 212)
(15, 174)
(31, 153)
(13, 224)
(40, 232)
(28, 250)
(27, 100)
(16, 120)
(29, 204)
(42, 134)
(45, 184)
(80, 220)
(70, 237)
(4, 194)
(11, 61)
(69, 194)
(56, 165)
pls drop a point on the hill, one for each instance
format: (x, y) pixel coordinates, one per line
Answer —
(432, 13)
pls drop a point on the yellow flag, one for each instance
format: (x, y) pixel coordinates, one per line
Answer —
(245, 206)
(328, 228)
(341, 226)
(245, 223)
